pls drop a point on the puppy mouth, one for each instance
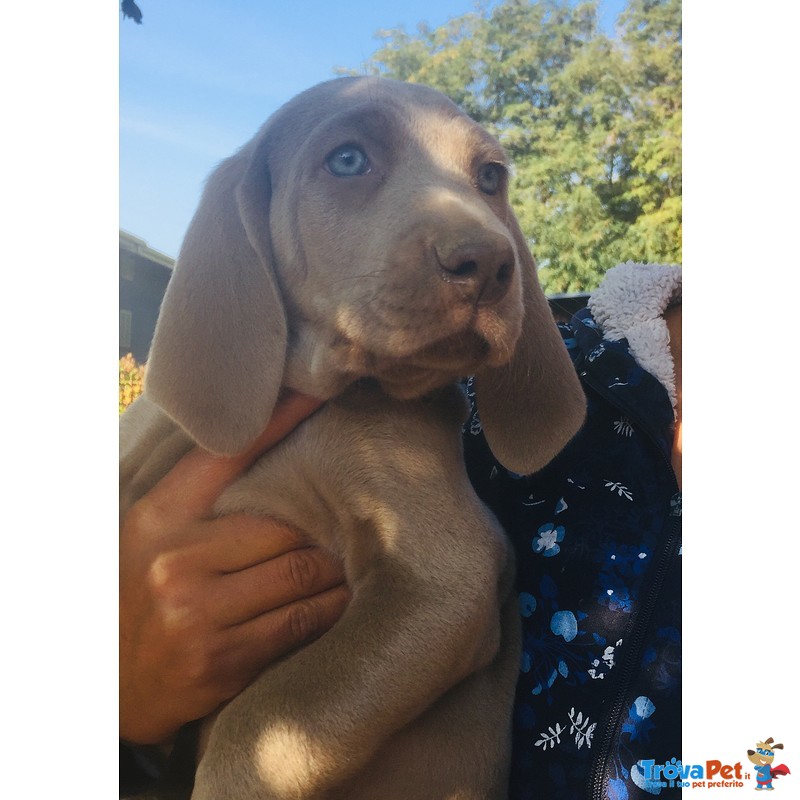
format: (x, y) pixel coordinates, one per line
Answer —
(447, 343)
(434, 365)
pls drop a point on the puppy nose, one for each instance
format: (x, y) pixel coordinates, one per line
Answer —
(482, 270)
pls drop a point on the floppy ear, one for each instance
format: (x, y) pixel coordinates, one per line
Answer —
(534, 405)
(218, 352)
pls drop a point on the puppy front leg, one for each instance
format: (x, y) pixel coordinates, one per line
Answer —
(311, 721)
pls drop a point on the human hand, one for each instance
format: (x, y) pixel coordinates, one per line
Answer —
(207, 603)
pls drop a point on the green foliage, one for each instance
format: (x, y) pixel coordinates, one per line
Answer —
(592, 124)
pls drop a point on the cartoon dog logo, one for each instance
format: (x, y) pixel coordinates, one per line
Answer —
(762, 757)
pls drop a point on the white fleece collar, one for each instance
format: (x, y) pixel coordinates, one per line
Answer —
(630, 304)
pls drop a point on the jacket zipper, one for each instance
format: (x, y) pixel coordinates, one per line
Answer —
(637, 636)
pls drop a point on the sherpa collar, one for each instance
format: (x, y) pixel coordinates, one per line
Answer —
(630, 304)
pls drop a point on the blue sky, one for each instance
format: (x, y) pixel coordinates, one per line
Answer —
(196, 80)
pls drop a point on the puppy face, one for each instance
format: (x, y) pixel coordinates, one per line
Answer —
(364, 232)
(388, 227)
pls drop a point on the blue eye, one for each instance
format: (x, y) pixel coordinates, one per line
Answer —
(347, 161)
(490, 177)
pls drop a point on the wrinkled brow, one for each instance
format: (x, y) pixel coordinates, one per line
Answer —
(369, 119)
(487, 149)
(454, 132)
(448, 138)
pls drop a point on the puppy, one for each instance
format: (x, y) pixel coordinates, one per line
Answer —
(361, 249)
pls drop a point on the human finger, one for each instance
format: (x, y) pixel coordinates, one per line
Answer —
(241, 596)
(257, 643)
(234, 542)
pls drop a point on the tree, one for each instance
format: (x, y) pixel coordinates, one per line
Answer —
(652, 37)
(591, 124)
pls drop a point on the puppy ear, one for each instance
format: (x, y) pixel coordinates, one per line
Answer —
(534, 405)
(218, 352)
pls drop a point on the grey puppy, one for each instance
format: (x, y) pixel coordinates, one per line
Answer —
(361, 249)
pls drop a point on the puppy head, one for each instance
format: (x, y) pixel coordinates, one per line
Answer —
(365, 231)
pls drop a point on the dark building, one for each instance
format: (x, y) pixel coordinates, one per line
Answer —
(143, 277)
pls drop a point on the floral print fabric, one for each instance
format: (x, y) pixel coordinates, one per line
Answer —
(597, 540)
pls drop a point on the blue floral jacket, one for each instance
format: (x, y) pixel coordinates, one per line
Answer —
(597, 539)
